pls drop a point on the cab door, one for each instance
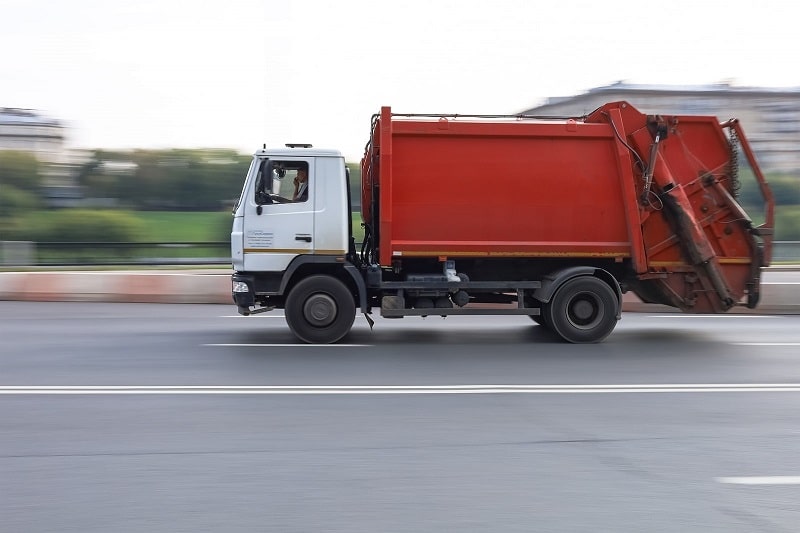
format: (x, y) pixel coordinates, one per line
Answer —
(278, 223)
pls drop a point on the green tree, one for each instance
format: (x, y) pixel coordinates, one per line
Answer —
(84, 225)
(196, 180)
(785, 188)
(21, 170)
(14, 203)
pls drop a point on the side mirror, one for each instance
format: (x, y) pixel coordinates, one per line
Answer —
(264, 181)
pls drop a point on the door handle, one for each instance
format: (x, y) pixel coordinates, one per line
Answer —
(306, 238)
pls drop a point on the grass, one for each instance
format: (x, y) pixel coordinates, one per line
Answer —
(175, 226)
(168, 226)
(153, 226)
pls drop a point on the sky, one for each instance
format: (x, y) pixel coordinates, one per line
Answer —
(242, 73)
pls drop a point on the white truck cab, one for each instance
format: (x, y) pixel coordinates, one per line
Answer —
(291, 243)
(279, 216)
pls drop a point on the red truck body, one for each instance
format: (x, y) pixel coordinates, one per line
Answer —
(652, 196)
(518, 216)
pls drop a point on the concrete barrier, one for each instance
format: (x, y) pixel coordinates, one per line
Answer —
(780, 293)
(117, 286)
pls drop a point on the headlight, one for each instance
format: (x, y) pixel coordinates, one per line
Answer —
(240, 286)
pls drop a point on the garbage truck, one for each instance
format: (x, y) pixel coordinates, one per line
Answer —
(553, 218)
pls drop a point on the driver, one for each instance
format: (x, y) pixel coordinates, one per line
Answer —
(300, 186)
(300, 189)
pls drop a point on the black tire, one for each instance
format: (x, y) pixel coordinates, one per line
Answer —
(320, 310)
(541, 320)
(583, 310)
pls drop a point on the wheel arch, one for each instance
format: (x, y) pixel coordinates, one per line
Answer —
(553, 281)
(309, 265)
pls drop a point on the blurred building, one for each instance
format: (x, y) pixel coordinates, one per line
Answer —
(771, 117)
(27, 131)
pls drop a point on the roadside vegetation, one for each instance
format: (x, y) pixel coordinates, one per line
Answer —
(187, 196)
(138, 196)
(786, 190)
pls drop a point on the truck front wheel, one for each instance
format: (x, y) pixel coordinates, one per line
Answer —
(541, 319)
(583, 310)
(320, 310)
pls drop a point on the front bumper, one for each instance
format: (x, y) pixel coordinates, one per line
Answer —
(242, 290)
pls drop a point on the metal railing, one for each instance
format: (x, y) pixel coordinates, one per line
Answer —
(63, 254)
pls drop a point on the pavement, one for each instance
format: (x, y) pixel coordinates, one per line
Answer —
(214, 286)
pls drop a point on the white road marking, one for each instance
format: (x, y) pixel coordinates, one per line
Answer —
(395, 389)
(670, 315)
(303, 345)
(294, 345)
(681, 315)
(259, 315)
(766, 343)
(761, 480)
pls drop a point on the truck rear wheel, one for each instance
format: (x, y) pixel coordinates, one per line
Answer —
(320, 310)
(583, 310)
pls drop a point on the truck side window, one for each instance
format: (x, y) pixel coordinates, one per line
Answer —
(289, 182)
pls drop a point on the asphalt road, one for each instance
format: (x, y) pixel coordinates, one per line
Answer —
(139, 417)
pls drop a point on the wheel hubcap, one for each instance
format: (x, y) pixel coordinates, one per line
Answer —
(584, 311)
(320, 310)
